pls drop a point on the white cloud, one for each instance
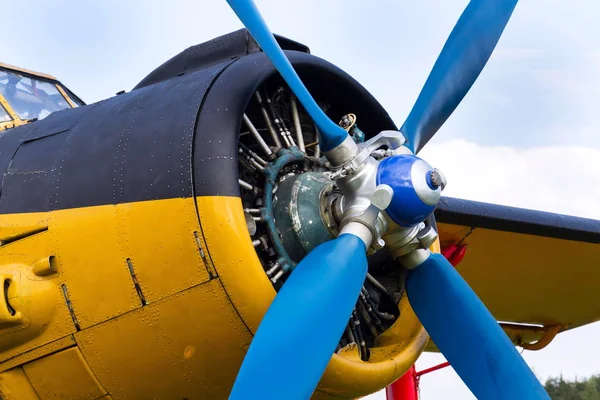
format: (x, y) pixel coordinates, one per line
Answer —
(559, 179)
(518, 53)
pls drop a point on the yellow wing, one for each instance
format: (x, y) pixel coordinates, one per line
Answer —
(537, 272)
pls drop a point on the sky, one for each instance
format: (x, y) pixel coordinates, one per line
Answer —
(526, 135)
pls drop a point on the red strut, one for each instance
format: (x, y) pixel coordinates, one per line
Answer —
(405, 388)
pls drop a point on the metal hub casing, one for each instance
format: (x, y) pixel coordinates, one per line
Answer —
(301, 215)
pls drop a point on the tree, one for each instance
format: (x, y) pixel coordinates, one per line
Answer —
(590, 392)
(561, 389)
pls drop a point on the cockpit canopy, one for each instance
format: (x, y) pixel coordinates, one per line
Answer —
(25, 97)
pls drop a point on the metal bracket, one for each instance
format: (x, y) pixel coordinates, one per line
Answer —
(394, 140)
(410, 246)
(380, 199)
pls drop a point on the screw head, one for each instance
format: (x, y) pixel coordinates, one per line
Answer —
(437, 178)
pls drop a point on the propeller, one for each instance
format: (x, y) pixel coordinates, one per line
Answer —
(331, 134)
(462, 59)
(467, 334)
(298, 336)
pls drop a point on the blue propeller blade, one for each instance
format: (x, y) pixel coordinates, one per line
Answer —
(464, 55)
(468, 335)
(331, 134)
(304, 324)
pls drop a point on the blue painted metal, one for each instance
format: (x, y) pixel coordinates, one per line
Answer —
(464, 55)
(406, 208)
(298, 335)
(331, 134)
(468, 335)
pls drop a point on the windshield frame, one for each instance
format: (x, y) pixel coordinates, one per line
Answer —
(70, 96)
(72, 100)
(8, 113)
(11, 113)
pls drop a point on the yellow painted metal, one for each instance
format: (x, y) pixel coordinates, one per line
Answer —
(158, 237)
(20, 225)
(188, 345)
(7, 125)
(65, 95)
(41, 315)
(38, 352)
(15, 118)
(549, 333)
(94, 270)
(530, 337)
(530, 279)
(63, 375)
(44, 266)
(90, 248)
(395, 351)
(27, 71)
(520, 334)
(251, 293)
(231, 251)
(14, 385)
(206, 293)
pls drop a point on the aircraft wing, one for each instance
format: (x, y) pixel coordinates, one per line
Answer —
(537, 272)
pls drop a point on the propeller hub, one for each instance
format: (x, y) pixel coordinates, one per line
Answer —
(417, 188)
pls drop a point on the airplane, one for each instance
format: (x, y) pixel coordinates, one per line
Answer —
(146, 237)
